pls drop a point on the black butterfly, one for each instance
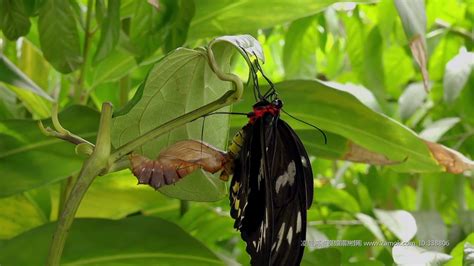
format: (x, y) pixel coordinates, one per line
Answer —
(272, 184)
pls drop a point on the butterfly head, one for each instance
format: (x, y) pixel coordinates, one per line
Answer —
(264, 108)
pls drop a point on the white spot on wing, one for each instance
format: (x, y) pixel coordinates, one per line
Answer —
(289, 237)
(286, 178)
(260, 173)
(304, 162)
(298, 222)
(280, 235)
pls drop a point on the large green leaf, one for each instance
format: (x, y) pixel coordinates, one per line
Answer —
(113, 67)
(299, 53)
(134, 241)
(214, 18)
(341, 113)
(59, 37)
(337, 197)
(14, 19)
(19, 213)
(181, 82)
(117, 194)
(28, 159)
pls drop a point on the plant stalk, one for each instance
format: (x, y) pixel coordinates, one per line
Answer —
(93, 166)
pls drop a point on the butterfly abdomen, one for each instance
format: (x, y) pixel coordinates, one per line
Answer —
(232, 154)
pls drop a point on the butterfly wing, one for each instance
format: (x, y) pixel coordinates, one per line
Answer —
(271, 189)
(292, 194)
(248, 196)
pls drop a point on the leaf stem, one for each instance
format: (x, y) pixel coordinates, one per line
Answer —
(93, 166)
(87, 39)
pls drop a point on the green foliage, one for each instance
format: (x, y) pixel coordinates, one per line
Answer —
(95, 242)
(356, 70)
(59, 37)
(22, 143)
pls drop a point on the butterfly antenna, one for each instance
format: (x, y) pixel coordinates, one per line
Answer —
(253, 73)
(304, 122)
(271, 91)
(256, 86)
(202, 132)
(225, 113)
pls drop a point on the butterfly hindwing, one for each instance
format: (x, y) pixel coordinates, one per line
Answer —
(292, 184)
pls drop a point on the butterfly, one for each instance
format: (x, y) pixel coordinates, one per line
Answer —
(272, 184)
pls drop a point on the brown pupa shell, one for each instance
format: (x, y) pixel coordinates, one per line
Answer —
(176, 162)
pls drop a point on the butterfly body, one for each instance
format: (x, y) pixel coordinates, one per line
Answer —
(271, 188)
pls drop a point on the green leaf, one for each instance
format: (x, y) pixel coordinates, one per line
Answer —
(9, 107)
(113, 67)
(215, 18)
(179, 25)
(410, 255)
(166, 27)
(17, 215)
(59, 37)
(386, 14)
(400, 223)
(14, 19)
(360, 92)
(143, 241)
(407, 198)
(413, 17)
(299, 53)
(456, 74)
(459, 252)
(337, 197)
(366, 55)
(372, 225)
(38, 106)
(10, 74)
(32, 6)
(315, 239)
(411, 100)
(116, 195)
(341, 113)
(373, 72)
(110, 31)
(434, 131)
(48, 159)
(179, 83)
(396, 60)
